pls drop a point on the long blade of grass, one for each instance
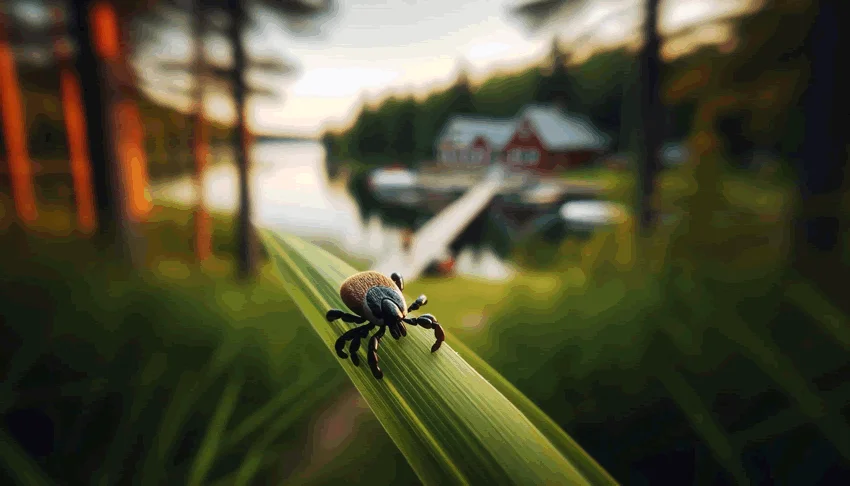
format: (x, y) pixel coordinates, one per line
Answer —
(704, 423)
(19, 464)
(209, 446)
(256, 460)
(30, 351)
(452, 425)
(186, 393)
(808, 299)
(588, 466)
(273, 407)
(253, 461)
(142, 394)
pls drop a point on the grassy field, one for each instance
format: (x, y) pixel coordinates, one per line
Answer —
(591, 319)
(149, 363)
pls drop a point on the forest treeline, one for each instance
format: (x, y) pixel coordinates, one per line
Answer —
(403, 128)
(752, 91)
(751, 97)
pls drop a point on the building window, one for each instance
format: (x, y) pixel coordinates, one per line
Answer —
(514, 156)
(524, 156)
(477, 156)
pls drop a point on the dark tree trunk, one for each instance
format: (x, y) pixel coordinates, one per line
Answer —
(651, 119)
(245, 239)
(200, 144)
(101, 92)
(823, 155)
(74, 117)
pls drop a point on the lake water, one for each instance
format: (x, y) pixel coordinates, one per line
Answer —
(292, 194)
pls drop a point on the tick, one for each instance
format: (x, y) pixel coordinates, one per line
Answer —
(377, 300)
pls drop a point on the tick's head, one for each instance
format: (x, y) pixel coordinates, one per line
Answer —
(386, 303)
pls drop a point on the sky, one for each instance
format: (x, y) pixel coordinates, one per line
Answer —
(374, 47)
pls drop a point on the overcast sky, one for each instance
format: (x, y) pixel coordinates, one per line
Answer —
(371, 47)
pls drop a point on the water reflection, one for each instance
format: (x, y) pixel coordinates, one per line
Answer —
(292, 193)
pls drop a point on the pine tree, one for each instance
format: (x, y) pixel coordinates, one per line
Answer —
(555, 87)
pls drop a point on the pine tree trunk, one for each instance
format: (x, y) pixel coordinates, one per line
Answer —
(200, 143)
(105, 75)
(651, 119)
(823, 159)
(75, 126)
(245, 239)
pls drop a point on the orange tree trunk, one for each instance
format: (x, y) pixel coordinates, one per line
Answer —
(14, 131)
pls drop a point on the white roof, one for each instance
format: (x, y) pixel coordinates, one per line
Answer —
(558, 131)
(461, 130)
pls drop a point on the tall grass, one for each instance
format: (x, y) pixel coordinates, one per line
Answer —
(169, 375)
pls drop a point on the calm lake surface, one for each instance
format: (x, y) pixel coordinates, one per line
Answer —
(292, 194)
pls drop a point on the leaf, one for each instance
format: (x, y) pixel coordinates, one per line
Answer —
(588, 466)
(186, 394)
(291, 393)
(452, 425)
(21, 467)
(212, 439)
(255, 457)
(141, 396)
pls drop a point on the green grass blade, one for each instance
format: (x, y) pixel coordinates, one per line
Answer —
(251, 424)
(19, 464)
(173, 418)
(254, 458)
(188, 391)
(123, 441)
(452, 424)
(19, 363)
(704, 423)
(588, 466)
(807, 298)
(210, 444)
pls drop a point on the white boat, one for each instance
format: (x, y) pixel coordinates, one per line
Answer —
(396, 185)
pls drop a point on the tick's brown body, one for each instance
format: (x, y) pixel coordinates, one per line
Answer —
(355, 288)
(376, 298)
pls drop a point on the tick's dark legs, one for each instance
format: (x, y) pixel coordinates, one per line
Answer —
(419, 302)
(335, 314)
(399, 282)
(353, 335)
(429, 322)
(372, 353)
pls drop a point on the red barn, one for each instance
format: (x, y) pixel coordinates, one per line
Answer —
(546, 140)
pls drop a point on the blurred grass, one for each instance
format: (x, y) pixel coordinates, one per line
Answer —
(439, 411)
(173, 374)
(577, 338)
(720, 268)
